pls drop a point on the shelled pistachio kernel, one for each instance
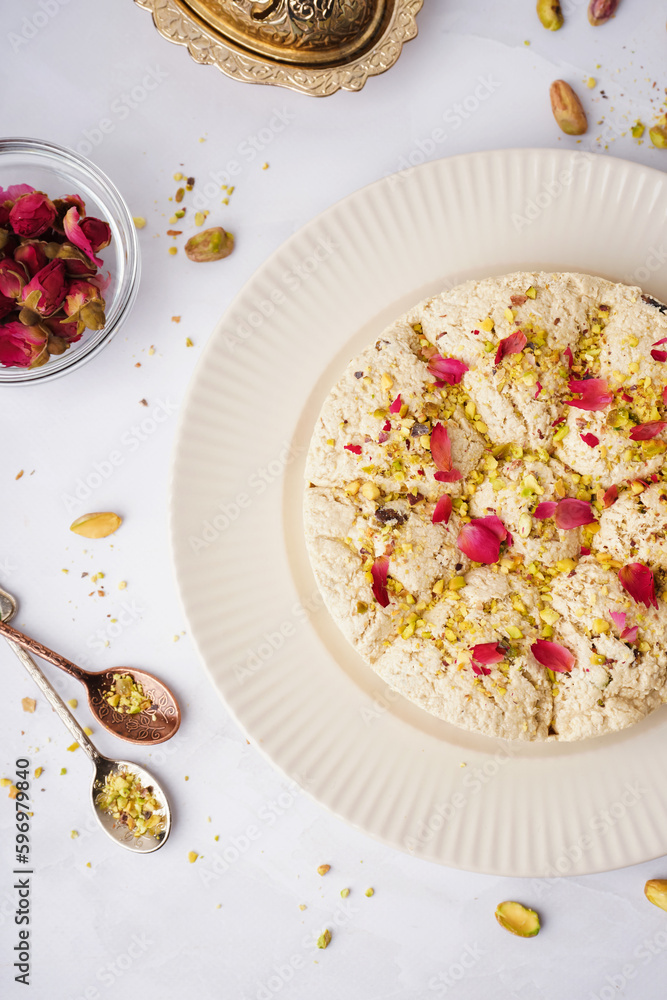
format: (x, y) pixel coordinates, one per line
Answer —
(655, 891)
(518, 919)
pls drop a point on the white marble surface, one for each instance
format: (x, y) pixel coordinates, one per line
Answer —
(230, 925)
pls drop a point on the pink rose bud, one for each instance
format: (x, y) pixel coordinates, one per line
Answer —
(59, 327)
(44, 293)
(7, 305)
(14, 191)
(76, 235)
(75, 261)
(97, 233)
(32, 214)
(22, 346)
(12, 278)
(83, 303)
(63, 206)
(32, 256)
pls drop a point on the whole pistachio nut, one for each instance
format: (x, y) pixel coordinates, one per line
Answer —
(210, 244)
(567, 109)
(97, 525)
(550, 14)
(655, 891)
(518, 919)
(599, 11)
(658, 136)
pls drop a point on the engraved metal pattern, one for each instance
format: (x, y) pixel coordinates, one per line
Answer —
(315, 47)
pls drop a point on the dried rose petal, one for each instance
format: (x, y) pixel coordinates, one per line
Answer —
(480, 539)
(644, 432)
(441, 448)
(513, 344)
(660, 356)
(568, 354)
(595, 394)
(571, 513)
(379, 571)
(75, 234)
(584, 551)
(591, 440)
(488, 652)
(13, 278)
(22, 346)
(32, 214)
(354, 448)
(638, 580)
(611, 496)
(449, 370)
(452, 476)
(538, 390)
(45, 292)
(443, 509)
(630, 634)
(553, 656)
(77, 264)
(396, 405)
(656, 343)
(387, 425)
(545, 509)
(382, 437)
(480, 670)
(619, 618)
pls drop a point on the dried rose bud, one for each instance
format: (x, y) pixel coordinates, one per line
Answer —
(14, 191)
(75, 234)
(12, 278)
(46, 291)
(83, 303)
(56, 344)
(32, 256)
(75, 260)
(63, 205)
(210, 244)
(22, 346)
(32, 214)
(7, 305)
(65, 329)
(97, 233)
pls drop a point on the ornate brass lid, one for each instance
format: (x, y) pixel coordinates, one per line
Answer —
(313, 46)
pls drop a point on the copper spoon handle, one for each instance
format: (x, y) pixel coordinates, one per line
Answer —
(50, 693)
(32, 646)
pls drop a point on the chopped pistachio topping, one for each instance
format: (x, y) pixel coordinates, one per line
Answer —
(126, 695)
(131, 804)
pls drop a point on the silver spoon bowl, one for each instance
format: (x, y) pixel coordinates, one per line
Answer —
(103, 766)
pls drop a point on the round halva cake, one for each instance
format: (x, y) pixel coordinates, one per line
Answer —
(486, 505)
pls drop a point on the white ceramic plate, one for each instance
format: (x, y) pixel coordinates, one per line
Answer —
(302, 694)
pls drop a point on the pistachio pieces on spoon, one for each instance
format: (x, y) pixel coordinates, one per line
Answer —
(518, 919)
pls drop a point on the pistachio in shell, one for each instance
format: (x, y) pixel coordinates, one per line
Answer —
(518, 919)
(655, 891)
(550, 14)
(567, 110)
(210, 244)
(97, 525)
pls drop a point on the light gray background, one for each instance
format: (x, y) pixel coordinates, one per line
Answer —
(230, 925)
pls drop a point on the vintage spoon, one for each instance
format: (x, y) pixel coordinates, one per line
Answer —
(104, 766)
(154, 725)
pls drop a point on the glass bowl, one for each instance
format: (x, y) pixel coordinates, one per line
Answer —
(58, 171)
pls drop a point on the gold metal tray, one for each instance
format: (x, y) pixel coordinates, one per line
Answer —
(314, 46)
